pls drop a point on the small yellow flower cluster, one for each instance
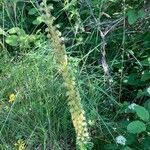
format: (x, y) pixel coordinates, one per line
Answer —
(20, 145)
(12, 98)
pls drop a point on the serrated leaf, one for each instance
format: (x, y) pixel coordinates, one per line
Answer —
(132, 17)
(142, 112)
(136, 127)
(12, 40)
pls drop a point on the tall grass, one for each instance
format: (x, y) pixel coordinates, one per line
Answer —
(39, 114)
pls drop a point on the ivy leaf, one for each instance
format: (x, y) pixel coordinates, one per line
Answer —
(12, 40)
(136, 127)
(142, 112)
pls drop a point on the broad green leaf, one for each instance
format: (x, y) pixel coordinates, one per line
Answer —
(132, 79)
(132, 17)
(13, 30)
(142, 112)
(141, 93)
(32, 11)
(131, 139)
(136, 127)
(38, 21)
(145, 75)
(141, 13)
(16, 30)
(147, 105)
(146, 62)
(12, 40)
(127, 148)
(146, 143)
(148, 128)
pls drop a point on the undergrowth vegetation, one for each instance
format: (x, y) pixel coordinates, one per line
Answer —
(74, 75)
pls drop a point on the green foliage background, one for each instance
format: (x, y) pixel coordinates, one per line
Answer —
(39, 114)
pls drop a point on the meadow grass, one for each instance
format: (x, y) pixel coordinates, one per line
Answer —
(39, 115)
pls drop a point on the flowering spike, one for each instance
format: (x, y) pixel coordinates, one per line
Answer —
(73, 95)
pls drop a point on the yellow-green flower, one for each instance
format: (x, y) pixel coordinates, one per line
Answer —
(20, 145)
(12, 97)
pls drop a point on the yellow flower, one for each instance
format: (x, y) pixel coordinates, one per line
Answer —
(20, 145)
(12, 97)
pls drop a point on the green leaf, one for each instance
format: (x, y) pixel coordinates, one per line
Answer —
(141, 93)
(32, 11)
(141, 13)
(13, 30)
(12, 40)
(145, 75)
(147, 105)
(146, 62)
(136, 127)
(2, 32)
(131, 139)
(113, 1)
(132, 79)
(146, 143)
(110, 147)
(132, 17)
(38, 21)
(16, 30)
(142, 112)
(127, 148)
